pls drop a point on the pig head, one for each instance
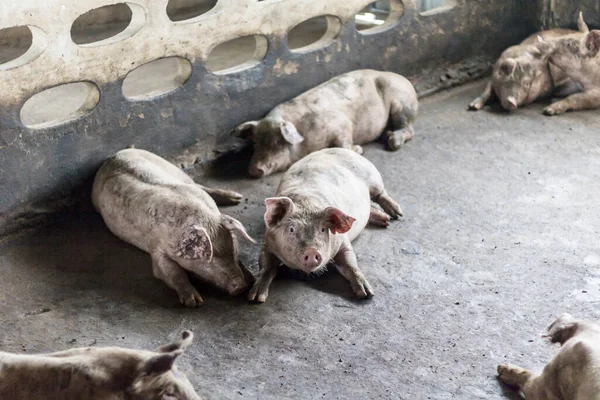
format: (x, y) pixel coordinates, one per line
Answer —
(303, 236)
(274, 141)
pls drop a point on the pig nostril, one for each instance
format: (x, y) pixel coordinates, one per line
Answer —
(305, 258)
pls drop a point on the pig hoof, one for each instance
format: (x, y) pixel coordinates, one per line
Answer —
(363, 289)
(551, 111)
(512, 375)
(476, 105)
(191, 300)
(391, 207)
(257, 294)
(394, 142)
(226, 197)
(379, 219)
(357, 149)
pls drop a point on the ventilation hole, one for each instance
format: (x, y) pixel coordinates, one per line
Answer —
(181, 10)
(430, 7)
(237, 54)
(108, 24)
(59, 105)
(20, 45)
(379, 16)
(314, 33)
(156, 78)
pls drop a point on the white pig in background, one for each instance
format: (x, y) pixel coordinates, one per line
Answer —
(97, 373)
(573, 373)
(149, 202)
(323, 203)
(347, 111)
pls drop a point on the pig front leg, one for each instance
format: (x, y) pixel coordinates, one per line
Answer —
(575, 102)
(176, 278)
(223, 197)
(486, 97)
(347, 264)
(268, 264)
(402, 123)
(516, 376)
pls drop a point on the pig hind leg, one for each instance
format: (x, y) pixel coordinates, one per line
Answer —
(514, 376)
(379, 218)
(402, 118)
(380, 196)
(223, 197)
(176, 278)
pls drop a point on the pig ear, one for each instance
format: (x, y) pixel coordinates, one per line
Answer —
(561, 329)
(508, 66)
(583, 28)
(290, 133)
(277, 208)
(235, 226)
(195, 244)
(245, 130)
(186, 339)
(160, 363)
(337, 221)
(592, 42)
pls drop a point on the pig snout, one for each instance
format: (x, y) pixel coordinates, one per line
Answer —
(510, 103)
(311, 259)
(256, 171)
(237, 287)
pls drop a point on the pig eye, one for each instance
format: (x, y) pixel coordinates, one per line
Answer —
(291, 229)
(323, 230)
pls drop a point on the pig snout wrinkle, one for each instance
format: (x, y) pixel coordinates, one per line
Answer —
(311, 258)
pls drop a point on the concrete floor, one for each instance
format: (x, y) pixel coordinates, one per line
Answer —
(500, 234)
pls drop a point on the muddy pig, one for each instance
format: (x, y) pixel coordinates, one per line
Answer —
(323, 202)
(523, 73)
(577, 56)
(150, 203)
(95, 373)
(346, 111)
(572, 374)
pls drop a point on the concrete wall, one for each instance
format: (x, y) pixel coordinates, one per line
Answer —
(45, 168)
(555, 13)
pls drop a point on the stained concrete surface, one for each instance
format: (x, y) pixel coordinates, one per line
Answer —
(500, 235)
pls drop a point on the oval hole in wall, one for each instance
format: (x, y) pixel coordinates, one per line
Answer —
(59, 105)
(237, 54)
(108, 24)
(430, 7)
(156, 78)
(379, 16)
(181, 10)
(314, 33)
(20, 45)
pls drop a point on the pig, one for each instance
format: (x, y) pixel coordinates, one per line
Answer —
(572, 374)
(347, 111)
(577, 56)
(150, 203)
(322, 204)
(95, 373)
(523, 73)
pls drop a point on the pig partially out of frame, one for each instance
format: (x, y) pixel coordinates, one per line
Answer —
(149, 202)
(523, 73)
(573, 373)
(346, 111)
(95, 373)
(322, 204)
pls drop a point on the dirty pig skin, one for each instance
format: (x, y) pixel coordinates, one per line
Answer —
(346, 111)
(523, 73)
(152, 204)
(96, 373)
(322, 204)
(577, 55)
(573, 373)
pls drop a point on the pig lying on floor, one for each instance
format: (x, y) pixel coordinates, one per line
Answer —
(573, 374)
(523, 73)
(577, 56)
(323, 202)
(91, 373)
(150, 203)
(346, 111)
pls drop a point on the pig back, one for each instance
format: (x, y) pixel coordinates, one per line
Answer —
(142, 196)
(333, 177)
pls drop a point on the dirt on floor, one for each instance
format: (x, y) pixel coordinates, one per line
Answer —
(500, 235)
